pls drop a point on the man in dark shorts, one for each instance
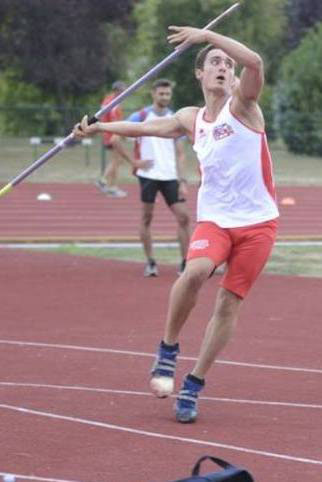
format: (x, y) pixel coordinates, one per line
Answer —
(164, 159)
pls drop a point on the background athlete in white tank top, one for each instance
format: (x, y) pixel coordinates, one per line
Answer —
(163, 172)
(236, 204)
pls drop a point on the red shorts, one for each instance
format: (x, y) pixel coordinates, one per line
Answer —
(245, 250)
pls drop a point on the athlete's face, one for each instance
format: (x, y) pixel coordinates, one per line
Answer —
(218, 72)
(162, 96)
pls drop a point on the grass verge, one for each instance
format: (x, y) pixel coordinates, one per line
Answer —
(83, 164)
(295, 260)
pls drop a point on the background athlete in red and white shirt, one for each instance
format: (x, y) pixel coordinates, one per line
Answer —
(236, 203)
(114, 146)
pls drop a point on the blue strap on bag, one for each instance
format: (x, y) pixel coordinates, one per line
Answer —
(230, 473)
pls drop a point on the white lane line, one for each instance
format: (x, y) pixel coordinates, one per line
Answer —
(121, 428)
(34, 477)
(143, 354)
(263, 402)
(148, 394)
(270, 367)
(131, 244)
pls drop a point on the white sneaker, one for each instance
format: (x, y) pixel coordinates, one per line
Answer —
(115, 192)
(151, 269)
(102, 186)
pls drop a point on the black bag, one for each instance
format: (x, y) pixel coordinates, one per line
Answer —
(229, 474)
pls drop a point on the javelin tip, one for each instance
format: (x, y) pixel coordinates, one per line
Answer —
(6, 189)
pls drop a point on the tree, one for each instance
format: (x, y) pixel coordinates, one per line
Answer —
(258, 23)
(63, 47)
(302, 15)
(299, 95)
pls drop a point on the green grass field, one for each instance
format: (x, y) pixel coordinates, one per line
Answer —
(71, 165)
(297, 260)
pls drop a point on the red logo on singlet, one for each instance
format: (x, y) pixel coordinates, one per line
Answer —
(222, 131)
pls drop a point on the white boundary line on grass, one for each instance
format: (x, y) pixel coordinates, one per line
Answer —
(143, 354)
(121, 428)
(148, 394)
(129, 244)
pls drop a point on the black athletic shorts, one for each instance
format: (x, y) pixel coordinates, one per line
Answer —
(168, 189)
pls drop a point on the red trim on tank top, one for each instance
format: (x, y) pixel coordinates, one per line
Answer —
(243, 123)
(267, 167)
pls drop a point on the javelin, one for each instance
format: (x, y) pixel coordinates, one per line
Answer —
(107, 108)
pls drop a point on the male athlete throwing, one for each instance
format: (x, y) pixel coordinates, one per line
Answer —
(236, 211)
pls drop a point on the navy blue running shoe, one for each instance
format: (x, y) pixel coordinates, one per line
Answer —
(186, 404)
(163, 370)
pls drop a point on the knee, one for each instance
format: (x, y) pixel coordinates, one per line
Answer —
(183, 220)
(194, 278)
(227, 305)
(112, 165)
(146, 219)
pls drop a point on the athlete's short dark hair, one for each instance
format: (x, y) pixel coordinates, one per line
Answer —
(161, 83)
(201, 56)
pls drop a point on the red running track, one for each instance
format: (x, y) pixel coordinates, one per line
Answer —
(80, 212)
(77, 337)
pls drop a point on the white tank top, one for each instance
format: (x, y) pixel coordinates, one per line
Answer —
(237, 187)
(160, 151)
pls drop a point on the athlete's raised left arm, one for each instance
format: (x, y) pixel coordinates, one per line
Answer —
(252, 76)
(247, 92)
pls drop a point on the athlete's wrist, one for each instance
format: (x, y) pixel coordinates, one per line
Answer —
(210, 37)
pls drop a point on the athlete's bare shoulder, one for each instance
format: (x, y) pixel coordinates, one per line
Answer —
(187, 116)
(247, 110)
